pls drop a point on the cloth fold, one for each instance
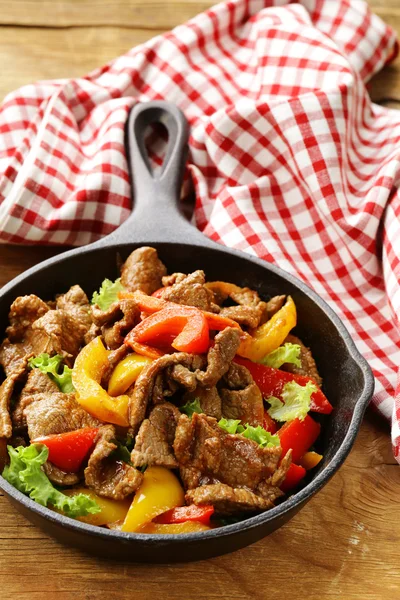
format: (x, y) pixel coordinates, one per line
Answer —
(289, 158)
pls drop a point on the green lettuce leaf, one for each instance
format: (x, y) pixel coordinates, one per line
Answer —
(264, 438)
(50, 366)
(191, 407)
(229, 425)
(25, 473)
(288, 353)
(295, 403)
(108, 293)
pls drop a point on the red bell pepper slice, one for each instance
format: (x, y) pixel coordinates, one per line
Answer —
(187, 323)
(271, 382)
(145, 350)
(299, 436)
(268, 423)
(67, 451)
(181, 514)
(159, 293)
(293, 477)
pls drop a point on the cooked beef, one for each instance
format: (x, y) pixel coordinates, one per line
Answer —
(107, 476)
(183, 376)
(220, 356)
(103, 317)
(248, 316)
(227, 500)
(56, 413)
(269, 489)
(241, 397)
(60, 477)
(168, 280)
(57, 333)
(153, 444)
(23, 312)
(93, 332)
(6, 391)
(37, 387)
(151, 385)
(190, 291)
(209, 399)
(143, 270)
(114, 357)
(13, 355)
(76, 304)
(114, 334)
(218, 456)
(308, 366)
(273, 305)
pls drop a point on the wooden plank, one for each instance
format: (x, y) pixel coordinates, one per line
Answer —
(163, 14)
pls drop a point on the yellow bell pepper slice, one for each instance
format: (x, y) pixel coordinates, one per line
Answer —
(163, 529)
(270, 335)
(126, 372)
(111, 511)
(86, 378)
(160, 491)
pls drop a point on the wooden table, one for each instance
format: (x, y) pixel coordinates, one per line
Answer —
(345, 543)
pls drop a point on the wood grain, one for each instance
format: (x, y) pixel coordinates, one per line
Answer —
(344, 544)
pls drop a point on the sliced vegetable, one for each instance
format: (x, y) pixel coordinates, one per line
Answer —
(191, 407)
(182, 514)
(268, 423)
(218, 323)
(159, 293)
(108, 293)
(299, 436)
(257, 434)
(86, 377)
(293, 477)
(173, 528)
(295, 403)
(188, 324)
(126, 372)
(67, 451)
(160, 491)
(288, 353)
(25, 473)
(272, 381)
(310, 460)
(111, 511)
(271, 334)
(50, 366)
(145, 350)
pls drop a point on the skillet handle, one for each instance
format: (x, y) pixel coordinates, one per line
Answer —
(156, 216)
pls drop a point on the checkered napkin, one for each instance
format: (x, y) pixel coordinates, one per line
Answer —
(289, 158)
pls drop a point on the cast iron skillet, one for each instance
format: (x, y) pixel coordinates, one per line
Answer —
(157, 221)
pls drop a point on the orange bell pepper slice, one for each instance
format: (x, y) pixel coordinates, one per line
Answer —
(187, 323)
(311, 460)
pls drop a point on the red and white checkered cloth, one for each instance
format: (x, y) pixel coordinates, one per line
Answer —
(290, 159)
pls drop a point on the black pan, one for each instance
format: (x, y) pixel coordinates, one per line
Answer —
(157, 221)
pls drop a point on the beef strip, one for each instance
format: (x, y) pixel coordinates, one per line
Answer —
(219, 457)
(60, 477)
(153, 445)
(57, 333)
(168, 280)
(241, 397)
(308, 366)
(190, 291)
(37, 387)
(208, 398)
(269, 489)
(114, 357)
(107, 476)
(273, 305)
(93, 332)
(23, 312)
(151, 385)
(76, 304)
(247, 316)
(220, 356)
(6, 391)
(12, 355)
(103, 317)
(143, 271)
(227, 500)
(56, 413)
(114, 334)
